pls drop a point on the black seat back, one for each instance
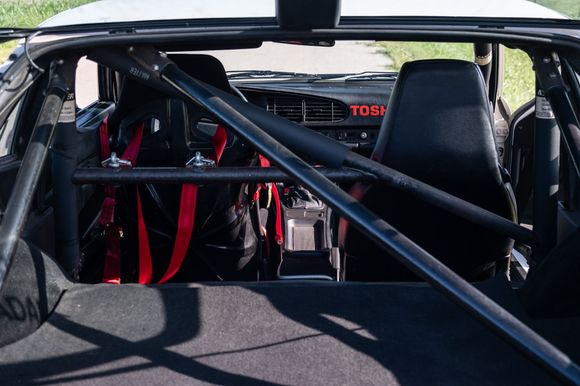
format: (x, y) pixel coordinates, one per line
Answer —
(223, 240)
(438, 129)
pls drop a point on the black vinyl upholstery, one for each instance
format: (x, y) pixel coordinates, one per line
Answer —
(438, 129)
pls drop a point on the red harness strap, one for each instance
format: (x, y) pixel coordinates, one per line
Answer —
(186, 217)
(112, 268)
(112, 265)
(279, 236)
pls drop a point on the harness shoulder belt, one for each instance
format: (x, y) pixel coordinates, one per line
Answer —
(112, 232)
(186, 217)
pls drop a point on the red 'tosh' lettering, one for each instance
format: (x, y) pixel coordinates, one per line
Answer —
(368, 110)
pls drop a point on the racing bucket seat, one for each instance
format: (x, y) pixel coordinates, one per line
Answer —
(439, 130)
(221, 242)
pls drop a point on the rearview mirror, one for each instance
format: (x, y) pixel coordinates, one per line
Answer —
(307, 14)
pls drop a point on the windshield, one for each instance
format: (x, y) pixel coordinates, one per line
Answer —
(353, 61)
(306, 59)
(30, 13)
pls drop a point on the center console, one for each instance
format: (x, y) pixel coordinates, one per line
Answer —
(307, 252)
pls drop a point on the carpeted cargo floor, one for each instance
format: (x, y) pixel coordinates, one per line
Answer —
(278, 333)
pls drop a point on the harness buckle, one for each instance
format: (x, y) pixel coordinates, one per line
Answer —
(199, 161)
(115, 162)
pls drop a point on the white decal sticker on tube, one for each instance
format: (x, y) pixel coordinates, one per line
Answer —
(543, 108)
(68, 112)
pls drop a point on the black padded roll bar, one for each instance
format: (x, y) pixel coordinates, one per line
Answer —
(440, 199)
(555, 90)
(204, 175)
(553, 109)
(362, 172)
(31, 167)
(64, 162)
(403, 249)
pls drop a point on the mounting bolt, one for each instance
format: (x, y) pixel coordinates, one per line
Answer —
(163, 54)
(131, 49)
(155, 67)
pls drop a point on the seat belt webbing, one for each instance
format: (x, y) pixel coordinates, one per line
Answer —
(279, 236)
(187, 208)
(112, 263)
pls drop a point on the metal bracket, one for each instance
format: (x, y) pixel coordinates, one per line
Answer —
(200, 161)
(115, 162)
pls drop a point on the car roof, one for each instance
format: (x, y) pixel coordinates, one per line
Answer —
(111, 11)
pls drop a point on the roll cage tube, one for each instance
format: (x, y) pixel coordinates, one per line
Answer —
(167, 175)
(552, 84)
(32, 164)
(558, 112)
(546, 171)
(160, 69)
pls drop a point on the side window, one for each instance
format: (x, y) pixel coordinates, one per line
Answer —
(519, 83)
(87, 83)
(8, 129)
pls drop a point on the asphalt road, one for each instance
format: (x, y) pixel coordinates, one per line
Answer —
(344, 57)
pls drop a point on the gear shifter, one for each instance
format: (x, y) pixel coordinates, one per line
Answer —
(300, 198)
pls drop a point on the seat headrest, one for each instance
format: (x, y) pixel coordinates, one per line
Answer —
(203, 67)
(438, 120)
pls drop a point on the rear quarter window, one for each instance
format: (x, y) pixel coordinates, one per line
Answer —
(7, 130)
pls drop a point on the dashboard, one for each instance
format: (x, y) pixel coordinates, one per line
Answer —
(348, 111)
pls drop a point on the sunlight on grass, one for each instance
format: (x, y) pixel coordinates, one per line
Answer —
(519, 79)
(570, 8)
(29, 14)
(401, 52)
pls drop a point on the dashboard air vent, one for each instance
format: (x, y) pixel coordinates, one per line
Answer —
(306, 109)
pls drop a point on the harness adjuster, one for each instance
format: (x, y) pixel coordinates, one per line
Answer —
(115, 162)
(199, 161)
(112, 228)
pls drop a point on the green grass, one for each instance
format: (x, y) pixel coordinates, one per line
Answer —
(30, 13)
(401, 52)
(570, 8)
(519, 77)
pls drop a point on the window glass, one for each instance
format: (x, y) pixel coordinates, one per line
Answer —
(519, 79)
(375, 56)
(87, 83)
(7, 130)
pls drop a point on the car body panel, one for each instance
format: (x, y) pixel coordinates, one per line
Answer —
(110, 11)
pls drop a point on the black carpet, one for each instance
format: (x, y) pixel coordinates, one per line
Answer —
(300, 333)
